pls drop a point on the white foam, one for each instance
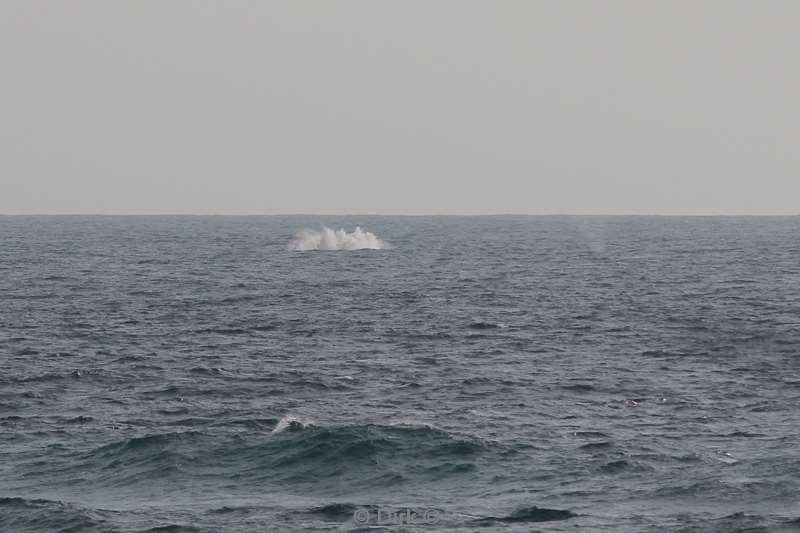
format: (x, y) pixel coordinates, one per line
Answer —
(290, 421)
(328, 239)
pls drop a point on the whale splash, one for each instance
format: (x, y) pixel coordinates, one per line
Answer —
(328, 239)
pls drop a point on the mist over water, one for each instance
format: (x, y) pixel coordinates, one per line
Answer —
(610, 374)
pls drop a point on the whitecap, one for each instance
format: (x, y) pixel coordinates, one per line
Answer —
(290, 422)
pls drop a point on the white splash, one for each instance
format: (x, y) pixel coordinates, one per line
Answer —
(328, 239)
(291, 422)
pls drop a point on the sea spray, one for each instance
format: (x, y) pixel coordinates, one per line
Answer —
(291, 423)
(328, 239)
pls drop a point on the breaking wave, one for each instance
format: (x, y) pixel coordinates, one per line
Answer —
(291, 423)
(328, 239)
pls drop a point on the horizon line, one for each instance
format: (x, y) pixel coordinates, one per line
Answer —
(509, 214)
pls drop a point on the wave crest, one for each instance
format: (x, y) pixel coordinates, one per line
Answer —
(291, 423)
(328, 239)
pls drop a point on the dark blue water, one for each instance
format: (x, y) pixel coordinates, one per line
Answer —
(483, 374)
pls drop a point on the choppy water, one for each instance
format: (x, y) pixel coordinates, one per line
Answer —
(496, 373)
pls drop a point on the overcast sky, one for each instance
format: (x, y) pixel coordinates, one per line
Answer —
(670, 107)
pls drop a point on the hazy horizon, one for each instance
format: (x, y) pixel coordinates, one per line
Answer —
(421, 215)
(462, 108)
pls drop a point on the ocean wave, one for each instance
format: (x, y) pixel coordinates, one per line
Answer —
(329, 239)
(531, 514)
(365, 444)
(173, 528)
(65, 375)
(486, 325)
(335, 511)
(291, 423)
(294, 452)
(621, 465)
(143, 459)
(23, 515)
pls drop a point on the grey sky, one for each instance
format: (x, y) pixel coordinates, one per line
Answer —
(671, 107)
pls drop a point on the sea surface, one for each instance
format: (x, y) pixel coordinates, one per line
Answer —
(195, 374)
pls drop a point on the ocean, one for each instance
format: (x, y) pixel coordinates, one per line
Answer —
(498, 373)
